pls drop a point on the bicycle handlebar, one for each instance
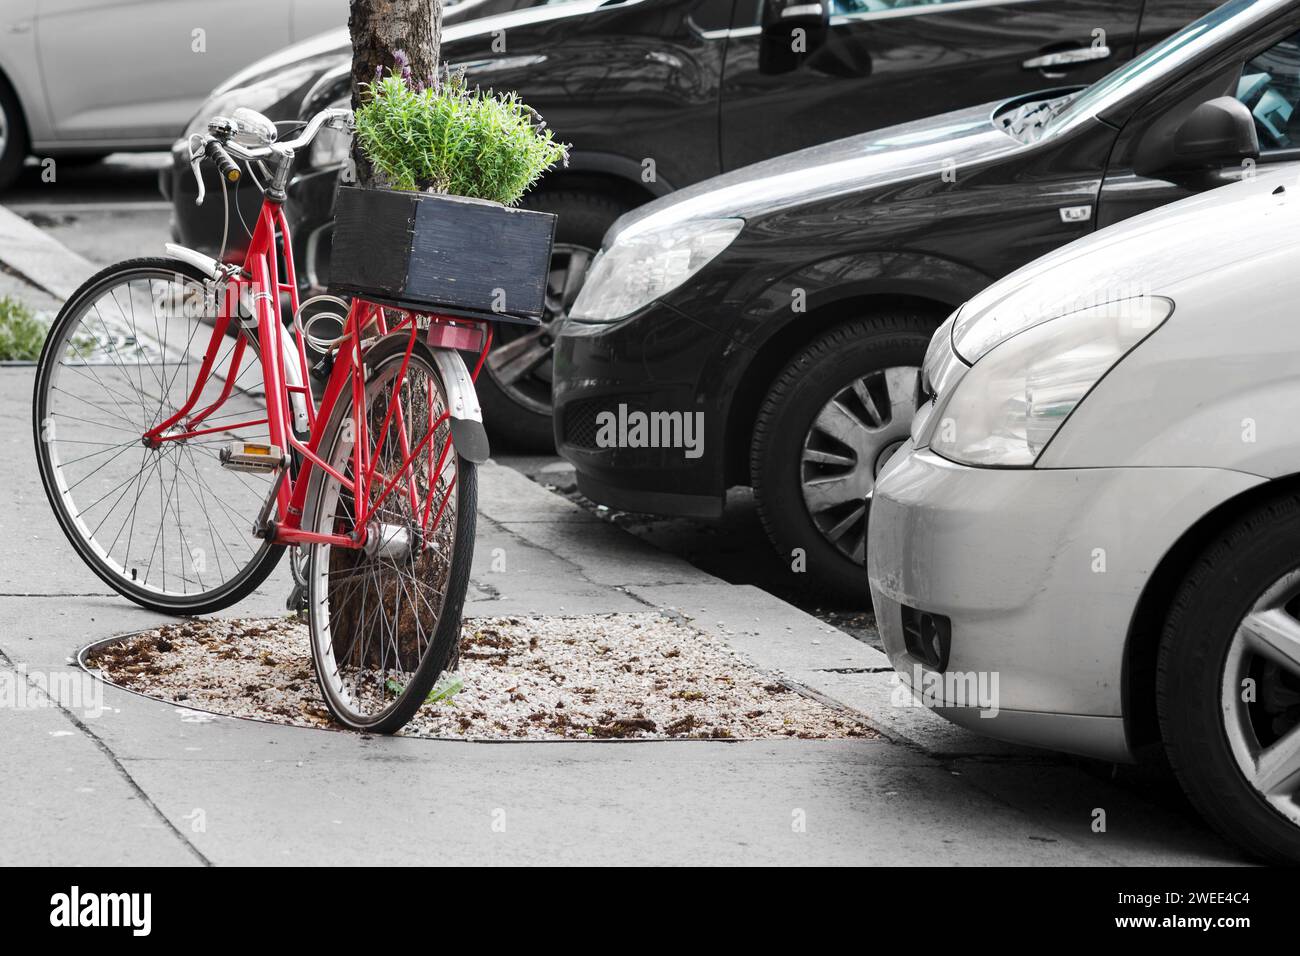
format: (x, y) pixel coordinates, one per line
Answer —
(324, 117)
(217, 155)
(219, 148)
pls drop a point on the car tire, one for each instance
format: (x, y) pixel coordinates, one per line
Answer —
(13, 136)
(884, 350)
(1207, 726)
(518, 412)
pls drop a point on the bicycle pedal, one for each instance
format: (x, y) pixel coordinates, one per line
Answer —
(247, 456)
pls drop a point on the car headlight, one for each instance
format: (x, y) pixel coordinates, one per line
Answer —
(643, 266)
(941, 362)
(1010, 403)
(941, 368)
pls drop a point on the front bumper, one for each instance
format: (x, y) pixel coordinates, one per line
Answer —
(1039, 573)
(658, 368)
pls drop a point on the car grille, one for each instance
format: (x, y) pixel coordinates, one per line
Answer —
(580, 421)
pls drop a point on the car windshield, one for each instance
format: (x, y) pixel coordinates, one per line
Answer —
(1159, 62)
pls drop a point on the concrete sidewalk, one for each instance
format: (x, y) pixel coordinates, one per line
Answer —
(147, 782)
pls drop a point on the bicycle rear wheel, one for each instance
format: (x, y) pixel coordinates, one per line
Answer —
(167, 526)
(385, 619)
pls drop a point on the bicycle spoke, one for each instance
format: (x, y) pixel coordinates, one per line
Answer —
(150, 520)
(378, 612)
(133, 428)
(90, 507)
(144, 462)
(102, 451)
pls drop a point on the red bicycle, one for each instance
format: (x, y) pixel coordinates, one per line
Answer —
(174, 414)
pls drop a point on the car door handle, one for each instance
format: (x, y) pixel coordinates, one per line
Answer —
(1083, 54)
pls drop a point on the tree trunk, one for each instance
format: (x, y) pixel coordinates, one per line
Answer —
(381, 29)
(398, 36)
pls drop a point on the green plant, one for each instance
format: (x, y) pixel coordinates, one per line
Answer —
(21, 333)
(448, 686)
(451, 139)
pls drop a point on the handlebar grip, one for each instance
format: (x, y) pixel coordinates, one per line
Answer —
(221, 159)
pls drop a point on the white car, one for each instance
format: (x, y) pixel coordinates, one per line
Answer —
(90, 77)
(1098, 514)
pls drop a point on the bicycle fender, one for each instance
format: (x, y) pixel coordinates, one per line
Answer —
(467, 432)
(205, 264)
(292, 365)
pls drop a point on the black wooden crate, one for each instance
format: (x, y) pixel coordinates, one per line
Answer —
(441, 253)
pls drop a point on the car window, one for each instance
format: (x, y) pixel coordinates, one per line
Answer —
(1161, 61)
(876, 6)
(1270, 88)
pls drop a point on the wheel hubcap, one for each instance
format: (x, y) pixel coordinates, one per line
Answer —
(847, 444)
(1261, 696)
(520, 364)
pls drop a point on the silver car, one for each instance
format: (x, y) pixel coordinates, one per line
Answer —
(1092, 540)
(89, 77)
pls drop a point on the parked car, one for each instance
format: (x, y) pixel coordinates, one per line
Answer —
(152, 62)
(659, 94)
(790, 304)
(1099, 502)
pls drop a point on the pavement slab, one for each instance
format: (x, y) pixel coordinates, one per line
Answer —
(66, 797)
(341, 798)
(40, 258)
(135, 780)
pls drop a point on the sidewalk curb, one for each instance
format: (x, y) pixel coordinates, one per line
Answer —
(776, 636)
(40, 258)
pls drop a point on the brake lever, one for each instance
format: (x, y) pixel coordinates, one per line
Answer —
(195, 160)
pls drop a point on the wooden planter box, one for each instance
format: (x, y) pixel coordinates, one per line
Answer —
(446, 254)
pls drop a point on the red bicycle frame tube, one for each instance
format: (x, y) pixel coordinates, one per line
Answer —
(259, 283)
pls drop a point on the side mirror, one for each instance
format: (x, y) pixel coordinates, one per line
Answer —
(791, 30)
(1218, 132)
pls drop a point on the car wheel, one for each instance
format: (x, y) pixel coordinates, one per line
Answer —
(515, 389)
(1228, 683)
(830, 421)
(13, 137)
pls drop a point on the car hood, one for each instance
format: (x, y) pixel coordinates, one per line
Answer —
(1155, 253)
(867, 161)
(338, 42)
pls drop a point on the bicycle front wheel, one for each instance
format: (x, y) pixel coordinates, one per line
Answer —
(385, 619)
(166, 526)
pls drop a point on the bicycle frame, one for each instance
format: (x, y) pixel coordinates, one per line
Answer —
(260, 283)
